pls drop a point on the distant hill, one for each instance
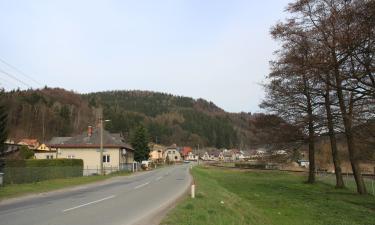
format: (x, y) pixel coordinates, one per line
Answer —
(49, 112)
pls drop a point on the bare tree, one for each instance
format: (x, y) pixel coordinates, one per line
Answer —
(290, 93)
(344, 34)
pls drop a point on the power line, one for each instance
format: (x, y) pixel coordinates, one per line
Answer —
(15, 78)
(8, 82)
(20, 72)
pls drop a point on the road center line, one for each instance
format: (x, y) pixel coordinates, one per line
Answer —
(89, 203)
(139, 186)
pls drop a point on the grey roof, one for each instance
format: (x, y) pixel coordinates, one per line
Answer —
(83, 140)
(58, 140)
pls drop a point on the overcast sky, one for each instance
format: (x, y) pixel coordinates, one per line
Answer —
(211, 49)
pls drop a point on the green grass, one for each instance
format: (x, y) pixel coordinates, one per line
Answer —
(16, 190)
(278, 198)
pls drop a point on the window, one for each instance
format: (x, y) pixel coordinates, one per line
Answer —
(106, 158)
(70, 156)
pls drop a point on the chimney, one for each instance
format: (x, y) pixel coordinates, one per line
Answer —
(89, 131)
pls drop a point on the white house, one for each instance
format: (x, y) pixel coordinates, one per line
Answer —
(191, 157)
(117, 155)
(172, 154)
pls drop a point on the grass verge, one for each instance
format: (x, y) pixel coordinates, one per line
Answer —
(228, 197)
(17, 190)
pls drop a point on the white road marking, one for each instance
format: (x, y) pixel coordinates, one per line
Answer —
(89, 203)
(139, 186)
(158, 178)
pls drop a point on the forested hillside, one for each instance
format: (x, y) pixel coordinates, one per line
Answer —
(46, 113)
(49, 112)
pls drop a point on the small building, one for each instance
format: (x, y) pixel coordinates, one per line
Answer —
(11, 150)
(304, 163)
(117, 154)
(156, 153)
(280, 152)
(185, 152)
(172, 154)
(191, 157)
(227, 155)
(217, 155)
(206, 156)
(30, 143)
(44, 152)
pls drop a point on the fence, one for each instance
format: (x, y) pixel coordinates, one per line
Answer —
(129, 167)
(349, 181)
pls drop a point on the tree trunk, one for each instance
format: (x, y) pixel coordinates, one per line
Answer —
(311, 139)
(347, 120)
(332, 137)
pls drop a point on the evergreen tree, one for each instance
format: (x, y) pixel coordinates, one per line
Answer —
(139, 142)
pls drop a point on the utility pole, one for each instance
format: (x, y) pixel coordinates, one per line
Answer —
(101, 145)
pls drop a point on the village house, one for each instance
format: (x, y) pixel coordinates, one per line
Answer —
(30, 143)
(191, 157)
(44, 152)
(11, 150)
(205, 157)
(235, 154)
(217, 155)
(248, 154)
(227, 155)
(260, 153)
(279, 152)
(304, 163)
(57, 141)
(156, 153)
(172, 153)
(185, 152)
(117, 155)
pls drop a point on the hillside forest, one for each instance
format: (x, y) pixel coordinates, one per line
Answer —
(44, 113)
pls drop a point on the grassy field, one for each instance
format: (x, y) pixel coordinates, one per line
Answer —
(228, 197)
(16, 190)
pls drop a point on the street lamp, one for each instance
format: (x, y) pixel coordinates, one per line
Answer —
(101, 143)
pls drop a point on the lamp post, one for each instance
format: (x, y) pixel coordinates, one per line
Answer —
(101, 144)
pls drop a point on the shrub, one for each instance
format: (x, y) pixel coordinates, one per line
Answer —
(251, 165)
(34, 170)
(26, 153)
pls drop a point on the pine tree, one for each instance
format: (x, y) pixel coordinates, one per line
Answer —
(140, 144)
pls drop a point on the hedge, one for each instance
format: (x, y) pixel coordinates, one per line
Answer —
(251, 165)
(34, 170)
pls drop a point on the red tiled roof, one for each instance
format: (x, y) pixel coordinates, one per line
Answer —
(186, 150)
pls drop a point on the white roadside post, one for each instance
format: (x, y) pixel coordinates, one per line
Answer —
(193, 190)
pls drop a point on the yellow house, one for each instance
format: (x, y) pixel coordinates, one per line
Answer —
(156, 152)
(117, 155)
(44, 152)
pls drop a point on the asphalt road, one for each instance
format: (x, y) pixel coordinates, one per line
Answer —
(138, 199)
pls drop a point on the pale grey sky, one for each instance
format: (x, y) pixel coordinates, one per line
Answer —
(214, 49)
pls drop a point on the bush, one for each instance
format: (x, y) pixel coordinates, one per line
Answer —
(251, 165)
(26, 153)
(34, 170)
